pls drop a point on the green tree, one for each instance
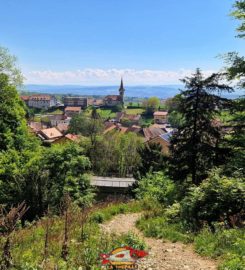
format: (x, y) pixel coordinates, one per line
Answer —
(218, 198)
(13, 127)
(115, 154)
(236, 71)
(151, 104)
(195, 147)
(156, 187)
(9, 68)
(90, 127)
(151, 160)
(239, 13)
(42, 178)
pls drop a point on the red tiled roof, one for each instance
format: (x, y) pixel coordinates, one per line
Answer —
(72, 137)
(40, 97)
(25, 98)
(36, 126)
(51, 133)
(62, 127)
(158, 113)
(113, 98)
(73, 109)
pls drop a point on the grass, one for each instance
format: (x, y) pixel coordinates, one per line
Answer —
(227, 245)
(146, 120)
(112, 210)
(135, 111)
(158, 227)
(105, 113)
(56, 111)
(84, 246)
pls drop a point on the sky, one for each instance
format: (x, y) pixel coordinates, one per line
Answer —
(95, 42)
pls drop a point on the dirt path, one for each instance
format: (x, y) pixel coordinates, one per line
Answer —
(162, 255)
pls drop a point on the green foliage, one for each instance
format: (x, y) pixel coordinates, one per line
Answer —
(151, 104)
(107, 213)
(8, 67)
(229, 244)
(157, 187)
(217, 198)
(151, 160)
(13, 128)
(236, 140)
(114, 153)
(86, 126)
(41, 178)
(175, 119)
(239, 13)
(196, 146)
(84, 253)
(158, 227)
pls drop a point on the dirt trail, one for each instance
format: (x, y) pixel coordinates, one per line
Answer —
(162, 255)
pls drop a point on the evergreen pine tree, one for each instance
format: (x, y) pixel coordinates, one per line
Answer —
(195, 147)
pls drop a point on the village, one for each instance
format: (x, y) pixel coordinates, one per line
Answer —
(52, 124)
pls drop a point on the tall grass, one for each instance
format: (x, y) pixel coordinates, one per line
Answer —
(85, 239)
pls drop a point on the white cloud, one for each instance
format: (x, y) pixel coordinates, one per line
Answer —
(90, 76)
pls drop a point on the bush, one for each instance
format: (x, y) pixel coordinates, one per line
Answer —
(156, 186)
(218, 198)
(229, 244)
(159, 227)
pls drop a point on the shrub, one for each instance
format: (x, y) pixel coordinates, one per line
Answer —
(156, 186)
(218, 198)
(159, 227)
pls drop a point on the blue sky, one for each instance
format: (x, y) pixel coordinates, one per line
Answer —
(97, 41)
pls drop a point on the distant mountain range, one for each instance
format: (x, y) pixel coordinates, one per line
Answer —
(161, 91)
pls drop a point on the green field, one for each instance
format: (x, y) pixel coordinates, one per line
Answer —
(135, 111)
(104, 112)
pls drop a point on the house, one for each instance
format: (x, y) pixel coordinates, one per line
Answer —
(50, 134)
(35, 127)
(63, 128)
(133, 119)
(95, 102)
(160, 117)
(57, 119)
(25, 99)
(135, 129)
(115, 100)
(81, 102)
(68, 138)
(152, 132)
(163, 140)
(42, 101)
(70, 111)
(109, 126)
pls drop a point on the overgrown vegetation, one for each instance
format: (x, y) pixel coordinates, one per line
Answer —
(40, 245)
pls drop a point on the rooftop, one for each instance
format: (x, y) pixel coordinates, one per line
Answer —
(73, 109)
(151, 132)
(113, 97)
(158, 113)
(40, 97)
(166, 136)
(51, 133)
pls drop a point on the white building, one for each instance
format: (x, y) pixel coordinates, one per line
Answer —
(42, 101)
(57, 119)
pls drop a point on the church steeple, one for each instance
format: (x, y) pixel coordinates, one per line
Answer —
(121, 90)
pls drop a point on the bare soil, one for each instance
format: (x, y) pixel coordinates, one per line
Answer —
(163, 255)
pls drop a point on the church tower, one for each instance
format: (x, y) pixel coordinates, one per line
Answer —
(121, 91)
